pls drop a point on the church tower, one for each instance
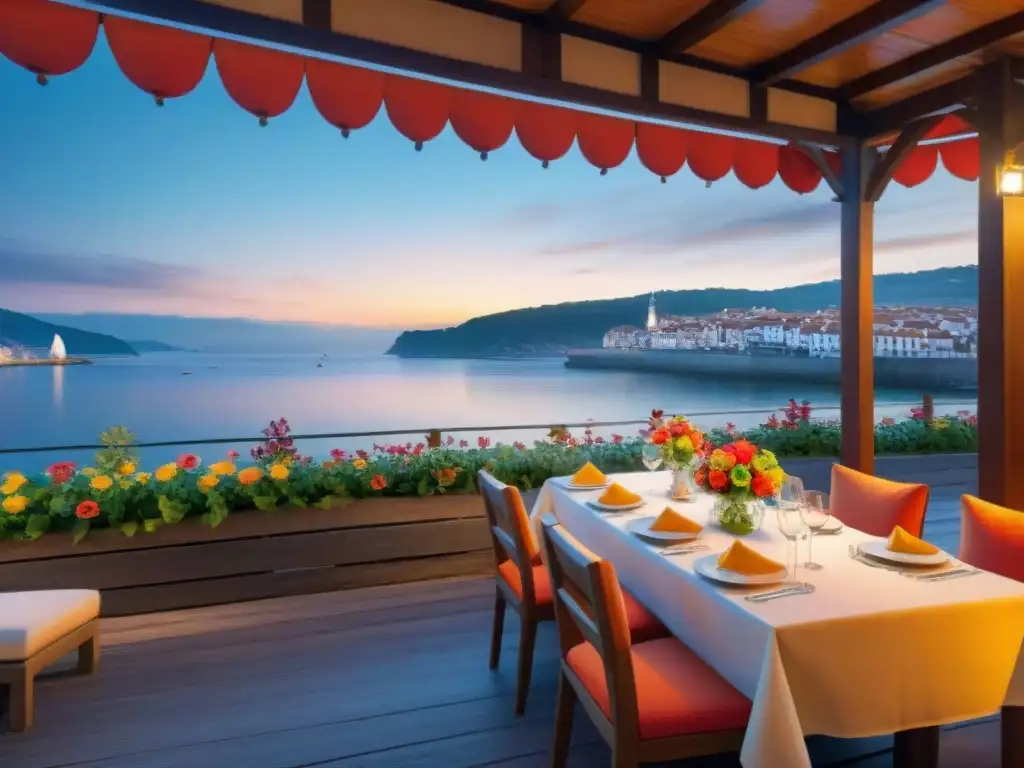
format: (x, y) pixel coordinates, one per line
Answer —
(652, 315)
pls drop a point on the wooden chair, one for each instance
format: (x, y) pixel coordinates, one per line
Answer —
(523, 582)
(652, 701)
(875, 505)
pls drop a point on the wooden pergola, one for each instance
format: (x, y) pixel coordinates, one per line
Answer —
(844, 92)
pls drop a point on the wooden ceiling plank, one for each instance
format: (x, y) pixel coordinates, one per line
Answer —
(708, 20)
(936, 55)
(871, 22)
(563, 10)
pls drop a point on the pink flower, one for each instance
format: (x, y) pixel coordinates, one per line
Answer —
(362, 454)
(483, 442)
(61, 472)
(450, 440)
(337, 454)
(188, 461)
(519, 444)
(463, 444)
(233, 455)
(616, 439)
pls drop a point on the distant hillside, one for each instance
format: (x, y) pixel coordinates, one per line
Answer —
(21, 330)
(147, 345)
(552, 329)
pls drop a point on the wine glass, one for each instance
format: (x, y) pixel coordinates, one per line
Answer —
(791, 524)
(816, 513)
(792, 492)
(651, 456)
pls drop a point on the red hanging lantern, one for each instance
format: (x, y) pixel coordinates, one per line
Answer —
(347, 97)
(546, 132)
(605, 141)
(47, 38)
(165, 62)
(482, 120)
(798, 171)
(711, 155)
(918, 166)
(262, 81)
(950, 125)
(756, 162)
(418, 109)
(661, 148)
(962, 158)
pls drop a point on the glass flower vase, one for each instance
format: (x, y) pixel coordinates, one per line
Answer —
(683, 485)
(740, 517)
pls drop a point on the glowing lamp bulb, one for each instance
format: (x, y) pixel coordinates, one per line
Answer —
(1011, 181)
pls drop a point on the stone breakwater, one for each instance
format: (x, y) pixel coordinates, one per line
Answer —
(916, 373)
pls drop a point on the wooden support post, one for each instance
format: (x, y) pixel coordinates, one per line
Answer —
(1000, 287)
(434, 438)
(928, 409)
(857, 399)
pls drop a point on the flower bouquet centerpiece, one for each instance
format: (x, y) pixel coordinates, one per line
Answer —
(740, 476)
(681, 446)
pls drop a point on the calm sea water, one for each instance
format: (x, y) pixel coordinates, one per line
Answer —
(236, 395)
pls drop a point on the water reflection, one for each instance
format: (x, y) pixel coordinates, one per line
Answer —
(58, 387)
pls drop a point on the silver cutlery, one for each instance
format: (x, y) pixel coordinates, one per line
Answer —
(682, 549)
(796, 589)
(953, 573)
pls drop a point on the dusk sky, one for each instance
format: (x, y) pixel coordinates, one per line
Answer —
(109, 204)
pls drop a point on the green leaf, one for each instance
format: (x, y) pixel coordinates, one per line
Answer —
(171, 511)
(265, 503)
(424, 488)
(79, 530)
(150, 525)
(57, 504)
(37, 525)
(298, 502)
(129, 528)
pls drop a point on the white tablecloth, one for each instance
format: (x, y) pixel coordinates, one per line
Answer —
(870, 652)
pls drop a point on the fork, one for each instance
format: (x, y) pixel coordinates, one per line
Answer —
(953, 573)
(682, 549)
(795, 589)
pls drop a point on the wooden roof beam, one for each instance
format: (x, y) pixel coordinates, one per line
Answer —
(563, 10)
(701, 25)
(966, 44)
(871, 22)
(940, 100)
(882, 172)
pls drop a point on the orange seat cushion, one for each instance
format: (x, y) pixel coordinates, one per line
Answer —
(992, 537)
(875, 505)
(677, 693)
(643, 625)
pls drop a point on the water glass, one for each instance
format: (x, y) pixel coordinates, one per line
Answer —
(651, 456)
(792, 492)
(791, 525)
(816, 514)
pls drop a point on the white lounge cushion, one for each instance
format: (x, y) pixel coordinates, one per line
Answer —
(30, 621)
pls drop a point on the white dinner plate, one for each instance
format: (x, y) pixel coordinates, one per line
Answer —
(615, 508)
(577, 487)
(707, 567)
(641, 527)
(879, 549)
(830, 528)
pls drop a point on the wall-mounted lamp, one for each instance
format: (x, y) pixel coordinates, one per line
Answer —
(1011, 177)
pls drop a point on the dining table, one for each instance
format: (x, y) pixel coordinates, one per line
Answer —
(866, 650)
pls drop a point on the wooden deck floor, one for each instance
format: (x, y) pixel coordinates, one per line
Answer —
(374, 678)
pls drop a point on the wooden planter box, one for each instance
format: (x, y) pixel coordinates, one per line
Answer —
(255, 555)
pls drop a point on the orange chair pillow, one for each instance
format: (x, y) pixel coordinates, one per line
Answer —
(992, 537)
(875, 505)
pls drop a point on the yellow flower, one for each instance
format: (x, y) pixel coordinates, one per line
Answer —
(166, 472)
(776, 475)
(88, 471)
(207, 482)
(279, 472)
(223, 468)
(13, 483)
(128, 468)
(250, 475)
(359, 463)
(684, 444)
(142, 477)
(14, 505)
(101, 482)
(124, 483)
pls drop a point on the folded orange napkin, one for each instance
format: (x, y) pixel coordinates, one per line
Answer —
(671, 521)
(617, 496)
(902, 542)
(589, 475)
(740, 558)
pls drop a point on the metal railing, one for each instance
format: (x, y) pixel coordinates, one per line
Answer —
(432, 434)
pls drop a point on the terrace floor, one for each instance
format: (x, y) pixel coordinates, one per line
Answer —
(387, 676)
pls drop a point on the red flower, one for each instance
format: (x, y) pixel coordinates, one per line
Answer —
(656, 414)
(718, 479)
(660, 436)
(676, 429)
(337, 454)
(463, 443)
(483, 442)
(773, 422)
(616, 439)
(701, 475)
(744, 451)
(61, 472)
(188, 461)
(761, 486)
(233, 455)
(87, 510)
(378, 482)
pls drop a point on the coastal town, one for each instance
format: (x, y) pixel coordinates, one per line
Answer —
(899, 331)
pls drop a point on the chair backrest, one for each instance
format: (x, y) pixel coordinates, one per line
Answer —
(992, 537)
(510, 528)
(875, 505)
(589, 608)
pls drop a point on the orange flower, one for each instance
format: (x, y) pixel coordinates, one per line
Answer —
(379, 482)
(762, 486)
(701, 475)
(718, 479)
(250, 475)
(660, 436)
(446, 476)
(87, 510)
